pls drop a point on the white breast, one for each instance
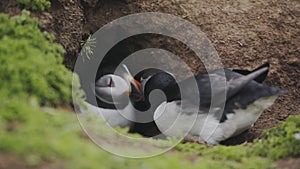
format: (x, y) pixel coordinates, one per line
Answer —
(204, 127)
(113, 117)
(171, 121)
(243, 119)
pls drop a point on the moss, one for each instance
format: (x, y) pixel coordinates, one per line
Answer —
(279, 142)
(31, 63)
(35, 4)
(225, 156)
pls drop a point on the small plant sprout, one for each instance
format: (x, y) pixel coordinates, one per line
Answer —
(88, 47)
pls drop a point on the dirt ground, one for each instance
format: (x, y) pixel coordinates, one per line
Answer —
(245, 33)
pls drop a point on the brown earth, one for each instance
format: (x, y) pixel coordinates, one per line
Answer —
(245, 33)
(289, 163)
(12, 161)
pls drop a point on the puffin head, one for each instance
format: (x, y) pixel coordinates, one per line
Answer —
(113, 89)
(155, 79)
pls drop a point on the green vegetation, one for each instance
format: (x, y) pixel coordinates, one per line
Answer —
(280, 142)
(35, 4)
(226, 156)
(31, 63)
(33, 76)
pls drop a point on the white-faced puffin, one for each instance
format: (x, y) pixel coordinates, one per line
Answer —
(114, 90)
(246, 98)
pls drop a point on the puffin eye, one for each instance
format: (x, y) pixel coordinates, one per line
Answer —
(110, 83)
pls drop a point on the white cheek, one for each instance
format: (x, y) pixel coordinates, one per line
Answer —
(119, 92)
(104, 94)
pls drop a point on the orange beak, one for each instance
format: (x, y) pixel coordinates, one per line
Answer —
(137, 84)
(137, 89)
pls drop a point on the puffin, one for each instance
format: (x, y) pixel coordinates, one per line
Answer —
(150, 79)
(114, 90)
(201, 119)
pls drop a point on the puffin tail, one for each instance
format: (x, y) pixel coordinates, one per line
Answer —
(259, 78)
(237, 84)
(259, 74)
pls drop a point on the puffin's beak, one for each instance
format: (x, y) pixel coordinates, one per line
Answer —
(136, 90)
(136, 87)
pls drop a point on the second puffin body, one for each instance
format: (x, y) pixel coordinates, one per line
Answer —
(208, 121)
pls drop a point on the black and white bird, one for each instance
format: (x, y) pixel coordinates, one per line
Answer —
(114, 91)
(239, 99)
(150, 79)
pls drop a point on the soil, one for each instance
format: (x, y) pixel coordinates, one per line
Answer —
(290, 163)
(245, 33)
(12, 161)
